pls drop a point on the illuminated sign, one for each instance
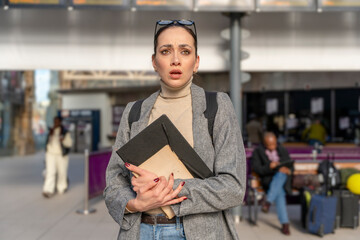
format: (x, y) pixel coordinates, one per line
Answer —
(164, 4)
(339, 5)
(285, 5)
(101, 3)
(36, 3)
(224, 5)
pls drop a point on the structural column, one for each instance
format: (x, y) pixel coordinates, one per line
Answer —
(235, 78)
(333, 113)
(286, 112)
(24, 140)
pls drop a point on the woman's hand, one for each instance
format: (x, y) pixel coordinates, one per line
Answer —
(157, 193)
(142, 178)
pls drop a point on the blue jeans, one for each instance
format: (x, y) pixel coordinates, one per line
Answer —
(173, 231)
(312, 142)
(276, 194)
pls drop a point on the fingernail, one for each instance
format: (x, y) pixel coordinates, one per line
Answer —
(182, 184)
(156, 179)
(185, 198)
(127, 164)
(172, 174)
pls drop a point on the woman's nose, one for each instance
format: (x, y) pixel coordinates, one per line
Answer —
(175, 61)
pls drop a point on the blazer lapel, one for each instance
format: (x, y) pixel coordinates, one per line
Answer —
(146, 108)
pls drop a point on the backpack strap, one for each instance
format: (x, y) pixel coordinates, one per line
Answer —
(211, 110)
(135, 111)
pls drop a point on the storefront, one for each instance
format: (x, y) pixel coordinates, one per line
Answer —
(11, 100)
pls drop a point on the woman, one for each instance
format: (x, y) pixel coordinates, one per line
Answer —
(200, 206)
(58, 144)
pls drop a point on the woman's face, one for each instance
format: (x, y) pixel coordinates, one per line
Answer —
(175, 59)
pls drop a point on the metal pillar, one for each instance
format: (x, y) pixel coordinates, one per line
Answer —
(86, 210)
(333, 113)
(235, 76)
(286, 112)
(235, 79)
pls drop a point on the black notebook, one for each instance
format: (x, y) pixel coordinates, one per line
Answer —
(161, 149)
(154, 138)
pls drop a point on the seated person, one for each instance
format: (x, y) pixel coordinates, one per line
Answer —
(254, 130)
(275, 179)
(315, 134)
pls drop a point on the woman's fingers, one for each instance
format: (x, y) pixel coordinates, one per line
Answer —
(174, 201)
(159, 193)
(148, 186)
(170, 183)
(135, 169)
(178, 189)
(174, 194)
(133, 181)
(161, 185)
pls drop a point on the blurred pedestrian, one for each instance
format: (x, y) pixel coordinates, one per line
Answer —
(315, 134)
(275, 178)
(254, 130)
(58, 146)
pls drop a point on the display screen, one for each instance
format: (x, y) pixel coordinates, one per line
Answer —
(281, 3)
(340, 3)
(221, 5)
(278, 5)
(119, 3)
(164, 4)
(36, 2)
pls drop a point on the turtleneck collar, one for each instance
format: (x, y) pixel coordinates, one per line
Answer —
(171, 92)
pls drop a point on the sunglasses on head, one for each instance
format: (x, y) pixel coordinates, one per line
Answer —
(187, 23)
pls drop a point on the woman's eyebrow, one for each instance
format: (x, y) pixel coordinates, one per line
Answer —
(180, 45)
(185, 45)
(166, 46)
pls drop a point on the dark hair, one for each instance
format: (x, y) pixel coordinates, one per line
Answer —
(174, 25)
(59, 118)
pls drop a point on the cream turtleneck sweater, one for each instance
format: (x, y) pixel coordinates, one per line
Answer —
(176, 104)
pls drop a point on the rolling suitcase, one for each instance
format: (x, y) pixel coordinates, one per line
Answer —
(321, 215)
(348, 209)
(305, 198)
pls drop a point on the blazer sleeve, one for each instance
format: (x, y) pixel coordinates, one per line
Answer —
(118, 190)
(226, 189)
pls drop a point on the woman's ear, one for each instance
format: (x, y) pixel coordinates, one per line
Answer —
(196, 67)
(153, 62)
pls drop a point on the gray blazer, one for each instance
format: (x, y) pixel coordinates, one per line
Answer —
(207, 208)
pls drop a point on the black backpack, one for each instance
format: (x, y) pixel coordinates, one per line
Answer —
(330, 173)
(210, 112)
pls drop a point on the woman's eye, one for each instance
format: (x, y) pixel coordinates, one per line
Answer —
(186, 52)
(164, 51)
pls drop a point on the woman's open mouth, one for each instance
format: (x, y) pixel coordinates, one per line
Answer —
(175, 74)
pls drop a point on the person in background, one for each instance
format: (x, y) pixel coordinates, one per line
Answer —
(58, 146)
(315, 134)
(275, 180)
(254, 130)
(357, 132)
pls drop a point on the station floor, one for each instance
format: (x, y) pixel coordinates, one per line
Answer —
(25, 214)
